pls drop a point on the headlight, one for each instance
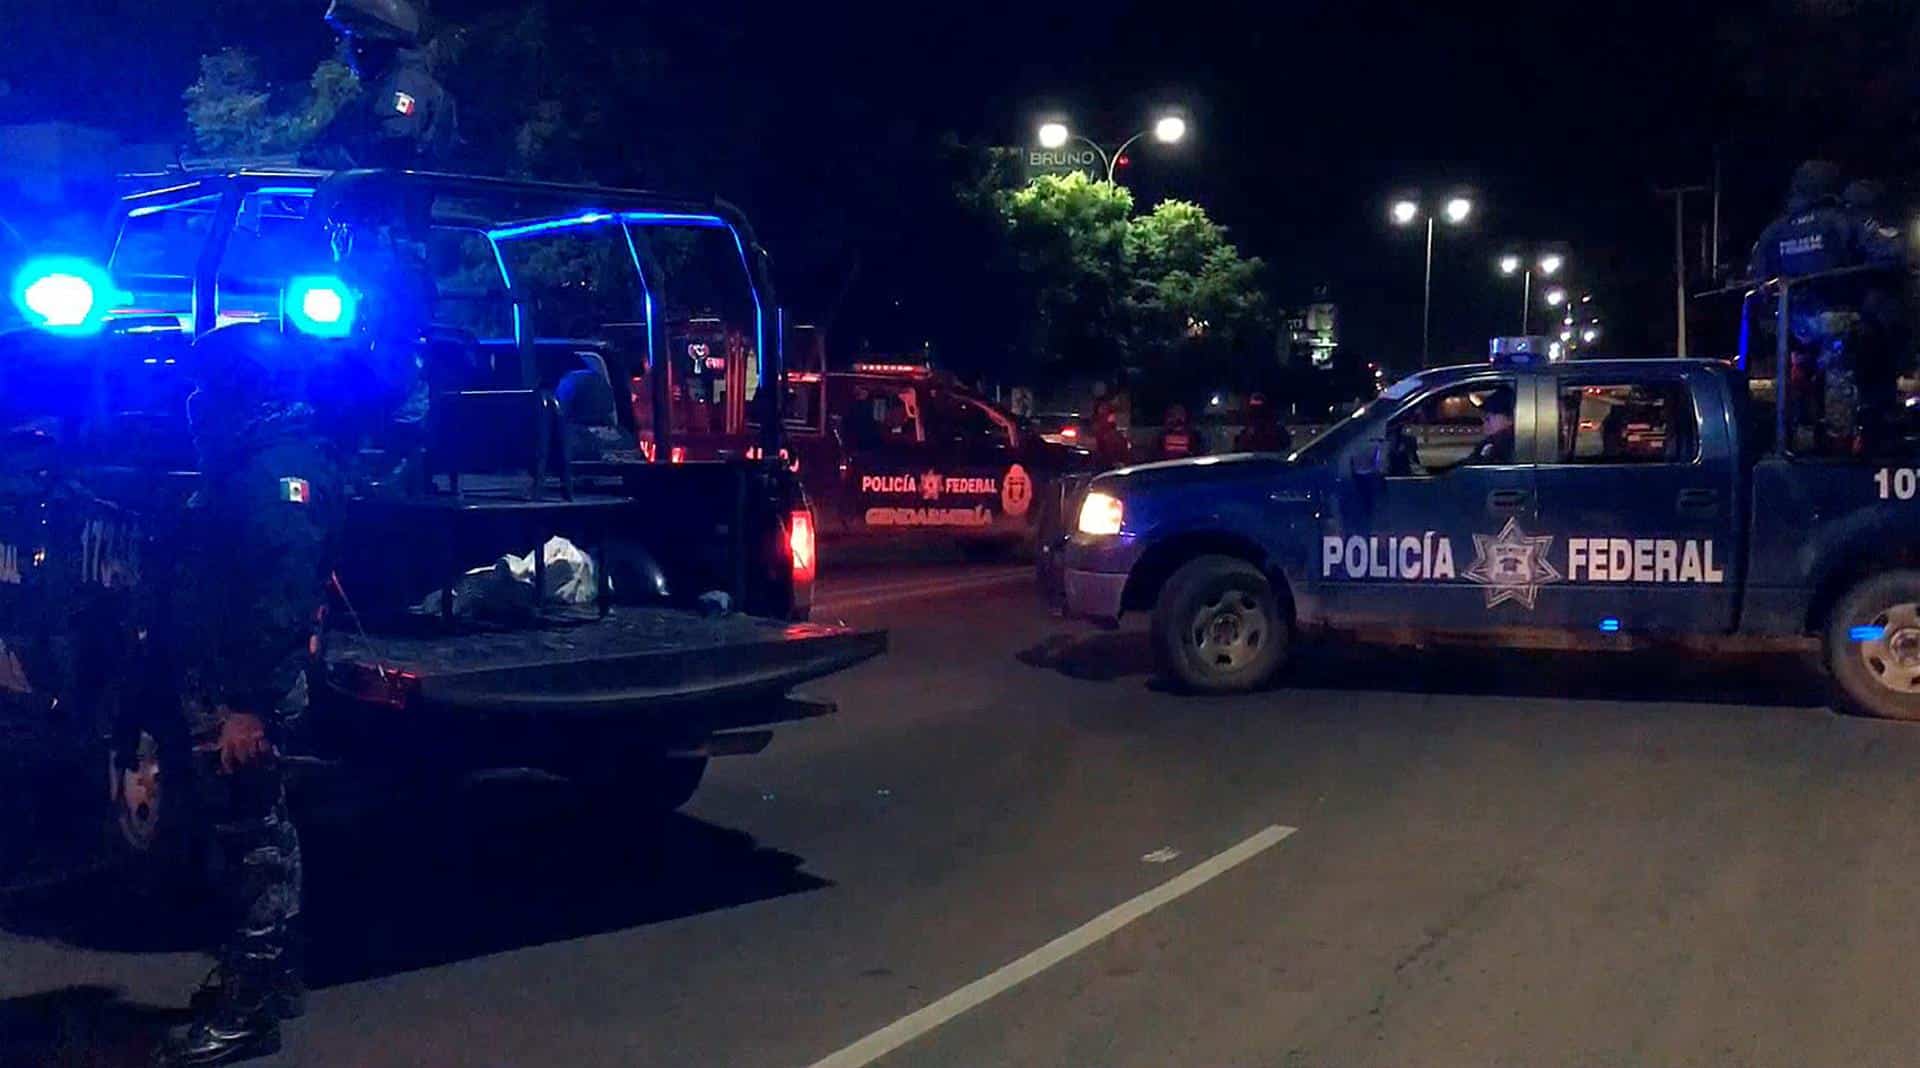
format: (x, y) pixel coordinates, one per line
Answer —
(1100, 514)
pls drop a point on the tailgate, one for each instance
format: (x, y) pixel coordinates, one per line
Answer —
(634, 660)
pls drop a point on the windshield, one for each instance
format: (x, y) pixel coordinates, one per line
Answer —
(1333, 437)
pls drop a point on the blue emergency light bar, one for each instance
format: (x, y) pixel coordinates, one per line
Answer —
(320, 305)
(65, 294)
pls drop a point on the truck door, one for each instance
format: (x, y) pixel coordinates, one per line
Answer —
(888, 463)
(1638, 499)
(1442, 535)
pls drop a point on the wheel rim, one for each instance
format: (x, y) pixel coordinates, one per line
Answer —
(1890, 648)
(1230, 631)
(137, 791)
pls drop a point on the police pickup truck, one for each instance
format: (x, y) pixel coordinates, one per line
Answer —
(1598, 501)
(525, 316)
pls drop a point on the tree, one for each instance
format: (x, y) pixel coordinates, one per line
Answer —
(1067, 237)
(233, 111)
(1164, 295)
(1193, 301)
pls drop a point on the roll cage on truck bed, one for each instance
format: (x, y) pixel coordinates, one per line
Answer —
(693, 633)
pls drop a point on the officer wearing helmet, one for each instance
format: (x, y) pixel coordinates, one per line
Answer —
(240, 630)
(406, 118)
(1815, 235)
(1885, 337)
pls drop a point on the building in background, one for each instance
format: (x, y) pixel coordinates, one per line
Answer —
(1310, 337)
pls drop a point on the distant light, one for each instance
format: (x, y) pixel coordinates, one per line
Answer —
(1554, 351)
(1404, 212)
(1589, 334)
(1215, 402)
(1509, 264)
(1866, 634)
(1586, 298)
(1610, 625)
(1551, 263)
(1169, 129)
(1053, 134)
(1556, 297)
(321, 305)
(1566, 335)
(1458, 209)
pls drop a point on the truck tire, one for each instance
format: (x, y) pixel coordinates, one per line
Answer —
(1873, 646)
(1218, 627)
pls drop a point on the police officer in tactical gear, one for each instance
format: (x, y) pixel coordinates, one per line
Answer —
(1885, 346)
(1814, 235)
(244, 612)
(405, 119)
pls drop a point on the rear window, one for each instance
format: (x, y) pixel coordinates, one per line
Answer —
(1626, 423)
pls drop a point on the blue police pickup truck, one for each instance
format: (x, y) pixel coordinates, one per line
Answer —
(1615, 499)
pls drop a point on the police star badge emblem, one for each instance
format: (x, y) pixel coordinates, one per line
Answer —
(1512, 565)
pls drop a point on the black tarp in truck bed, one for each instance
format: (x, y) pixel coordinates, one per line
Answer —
(633, 660)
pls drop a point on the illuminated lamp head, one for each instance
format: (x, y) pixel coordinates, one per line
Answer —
(320, 305)
(64, 294)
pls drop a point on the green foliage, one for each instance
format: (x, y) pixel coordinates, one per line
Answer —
(234, 112)
(1164, 293)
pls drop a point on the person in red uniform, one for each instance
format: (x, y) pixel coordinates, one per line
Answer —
(1177, 439)
(1110, 446)
(1264, 431)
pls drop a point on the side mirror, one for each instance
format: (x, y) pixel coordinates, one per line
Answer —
(1370, 458)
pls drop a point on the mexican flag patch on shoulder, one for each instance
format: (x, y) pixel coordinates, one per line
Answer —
(295, 490)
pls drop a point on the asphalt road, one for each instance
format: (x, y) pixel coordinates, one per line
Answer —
(1010, 848)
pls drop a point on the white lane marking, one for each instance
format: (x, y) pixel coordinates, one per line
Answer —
(867, 596)
(1162, 855)
(912, 1026)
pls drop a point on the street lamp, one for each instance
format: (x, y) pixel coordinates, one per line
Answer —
(1556, 297)
(1404, 212)
(1548, 264)
(1168, 129)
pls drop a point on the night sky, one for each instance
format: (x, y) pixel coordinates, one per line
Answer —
(1306, 122)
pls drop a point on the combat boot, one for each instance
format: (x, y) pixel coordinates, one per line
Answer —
(238, 1022)
(287, 992)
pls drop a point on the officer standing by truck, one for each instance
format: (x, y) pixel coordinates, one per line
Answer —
(1885, 351)
(243, 628)
(1812, 236)
(406, 119)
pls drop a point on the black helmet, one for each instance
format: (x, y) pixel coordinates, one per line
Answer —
(1814, 180)
(380, 20)
(1863, 194)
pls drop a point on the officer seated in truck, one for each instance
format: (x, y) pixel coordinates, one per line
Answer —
(1496, 429)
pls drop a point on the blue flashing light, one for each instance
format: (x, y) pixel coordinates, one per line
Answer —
(1610, 625)
(321, 305)
(65, 294)
(1866, 634)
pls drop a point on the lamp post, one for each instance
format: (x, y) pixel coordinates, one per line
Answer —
(1455, 210)
(1167, 129)
(1548, 264)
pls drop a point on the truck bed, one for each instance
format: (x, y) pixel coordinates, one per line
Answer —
(634, 660)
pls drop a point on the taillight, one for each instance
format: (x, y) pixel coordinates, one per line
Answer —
(801, 546)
